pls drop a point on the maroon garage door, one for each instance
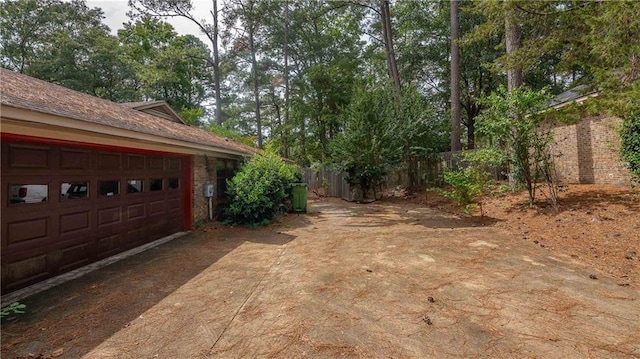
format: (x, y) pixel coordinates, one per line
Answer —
(65, 207)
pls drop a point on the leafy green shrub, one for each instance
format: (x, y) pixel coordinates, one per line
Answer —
(467, 184)
(630, 136)
(258, 189)
(514, 120)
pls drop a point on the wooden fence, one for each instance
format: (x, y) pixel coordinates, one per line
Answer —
(427, 172)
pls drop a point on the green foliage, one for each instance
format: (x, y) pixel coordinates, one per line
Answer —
(64, 43)
(225, 131)
(167, 66)
(513, 121)
(630, 135)
(367, 149)
(469, 182)
(11, 309)
(259, 188)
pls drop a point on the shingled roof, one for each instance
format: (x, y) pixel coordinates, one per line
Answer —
(25, 92)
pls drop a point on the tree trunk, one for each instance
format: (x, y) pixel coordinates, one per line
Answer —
(455, 79)
(285, 75)
(256, 90)
(387, 35)
(513, 41)
(513, 35)
(216, 64)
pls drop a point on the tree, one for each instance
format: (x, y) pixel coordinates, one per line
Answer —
(65, 43)
(455, 79)
(364, 150)
(243, 20)
(513, 119)
(387, 32)
(184, 9)
(167, 66)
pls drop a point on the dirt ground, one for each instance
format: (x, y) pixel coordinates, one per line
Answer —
(595, 224)
(391, 279)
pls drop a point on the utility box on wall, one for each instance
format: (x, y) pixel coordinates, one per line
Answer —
(208, 189)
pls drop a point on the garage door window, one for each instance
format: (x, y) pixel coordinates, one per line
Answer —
(174, 183)
(75, 189)
(108, 188)
(135, 186)
(156, 184)
(28, 193)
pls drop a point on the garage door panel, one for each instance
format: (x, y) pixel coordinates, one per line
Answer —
(172, 164)
(74, 222)
(70, 159)
(156, 163)
(174, 203)
(136, 236)
(157, 207)
(20, 273)
(108, 216)
(158, 227)
(28, 156)
(31, 230)
(109, 161)
(109, 245)
(136, 211)
(135, 162)
(74, 256)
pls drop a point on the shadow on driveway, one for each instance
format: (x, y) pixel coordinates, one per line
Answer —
(69, 320)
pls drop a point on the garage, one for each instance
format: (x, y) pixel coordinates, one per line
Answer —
(79, 205)
(84, 178)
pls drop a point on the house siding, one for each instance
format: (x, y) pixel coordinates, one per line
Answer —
(589, 152)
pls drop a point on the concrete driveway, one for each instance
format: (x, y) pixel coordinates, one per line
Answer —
(384, 280)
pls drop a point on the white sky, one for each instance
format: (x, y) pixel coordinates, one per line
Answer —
(115, 12)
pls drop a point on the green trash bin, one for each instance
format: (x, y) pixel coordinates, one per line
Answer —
(299, 201)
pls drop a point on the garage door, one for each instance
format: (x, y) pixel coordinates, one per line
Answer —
(65, 207)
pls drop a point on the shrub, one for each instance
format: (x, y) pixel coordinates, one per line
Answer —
(514, 121)
(467, 183)
(630, 136)
(258, 189)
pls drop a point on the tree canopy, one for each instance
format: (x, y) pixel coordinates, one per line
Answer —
(305, 76)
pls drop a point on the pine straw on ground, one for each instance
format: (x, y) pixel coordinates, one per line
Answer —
(596, 225)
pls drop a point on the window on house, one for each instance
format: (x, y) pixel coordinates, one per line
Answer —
(28, 193)
(75, 189)
(173, 183)
(135, 186)
(156, 184)
(108, 188)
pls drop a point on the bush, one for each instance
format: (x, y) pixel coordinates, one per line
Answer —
(258, 189)
(630, 136)
(468, 183)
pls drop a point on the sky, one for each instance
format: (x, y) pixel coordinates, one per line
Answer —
(115, 12)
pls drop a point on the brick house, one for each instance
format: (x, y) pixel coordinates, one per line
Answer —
(85, 178)
(588, 151)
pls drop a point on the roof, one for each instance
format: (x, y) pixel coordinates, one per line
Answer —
(156, 108)
(577, 94)
(28, 93)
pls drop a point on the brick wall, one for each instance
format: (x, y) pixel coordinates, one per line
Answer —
(204, 171)
(589, 152)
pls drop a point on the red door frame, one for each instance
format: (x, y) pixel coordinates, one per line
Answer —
(187, 172)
